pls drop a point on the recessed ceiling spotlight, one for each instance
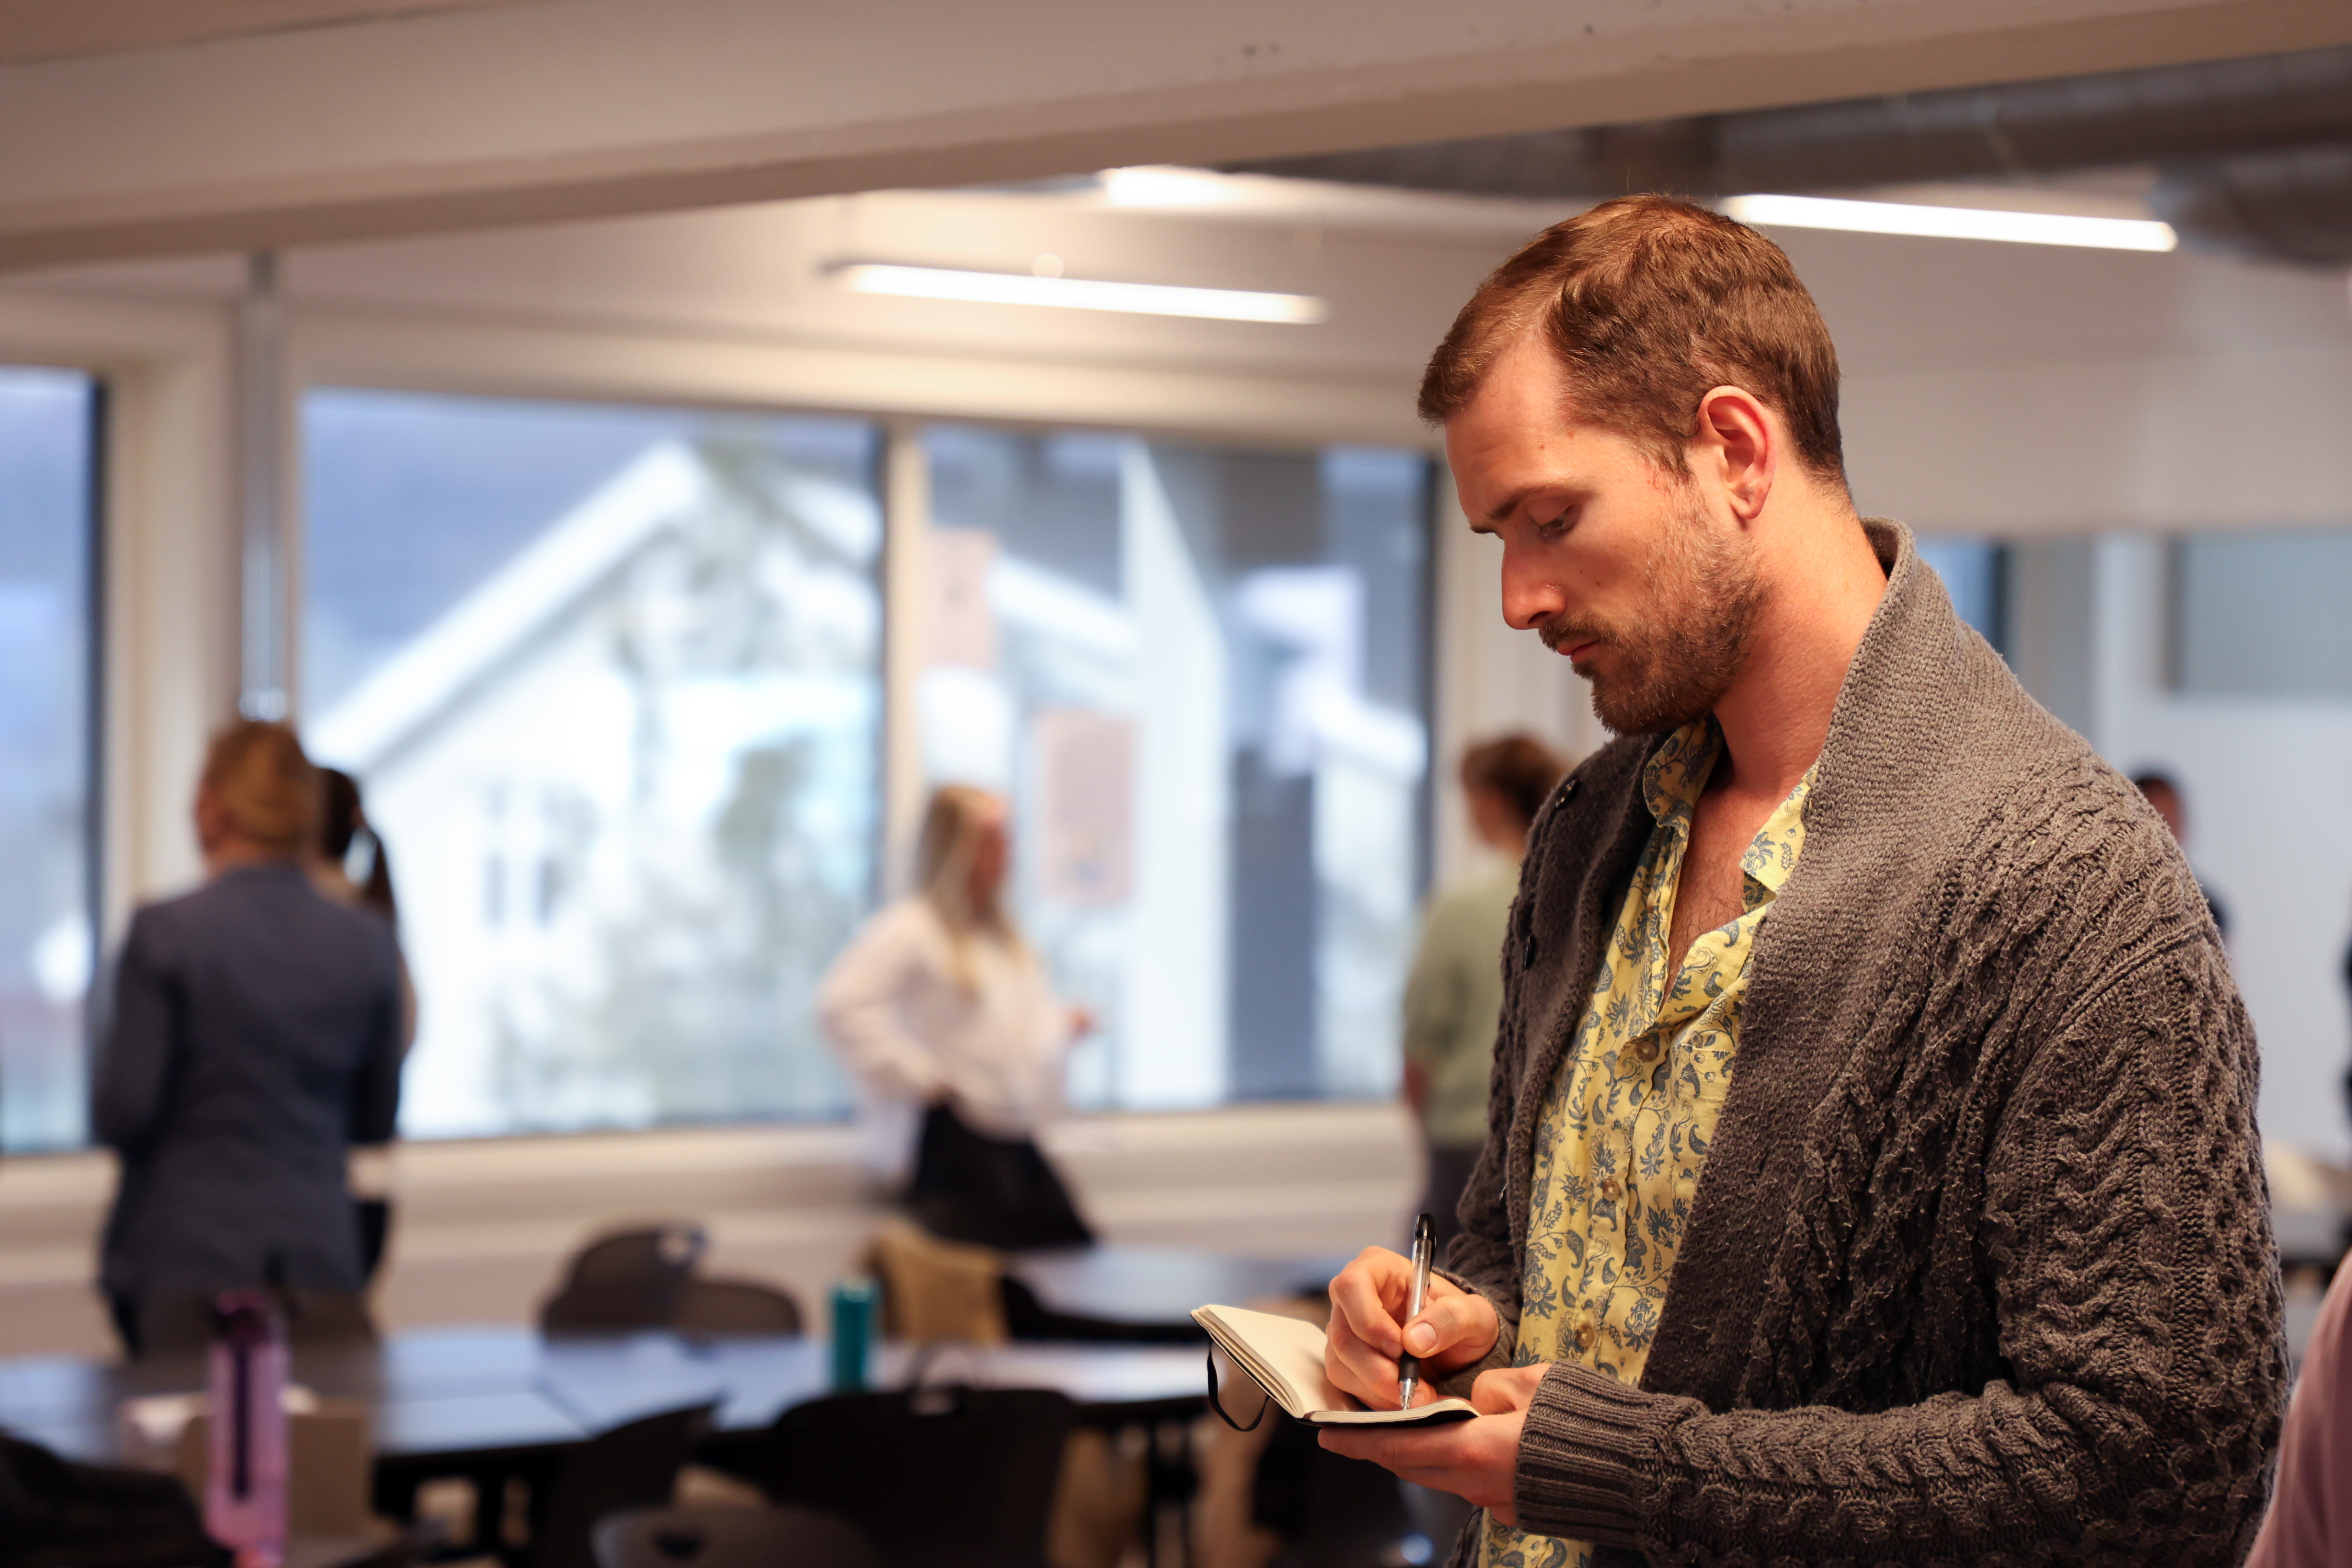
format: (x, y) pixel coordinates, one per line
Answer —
(1037, 287)
(1951, 223)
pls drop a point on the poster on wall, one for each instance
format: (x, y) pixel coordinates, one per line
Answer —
(1084, 761)
(962, 627)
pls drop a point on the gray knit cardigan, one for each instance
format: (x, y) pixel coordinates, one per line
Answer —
(1980, 1268)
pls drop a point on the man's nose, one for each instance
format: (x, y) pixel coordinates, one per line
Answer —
(1530, 596)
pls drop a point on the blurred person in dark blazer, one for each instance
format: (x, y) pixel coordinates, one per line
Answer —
(254, 1036)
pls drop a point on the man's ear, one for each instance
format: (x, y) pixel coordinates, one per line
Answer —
(1737, 447)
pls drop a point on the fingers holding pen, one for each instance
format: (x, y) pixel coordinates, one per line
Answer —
(1368, 1295)
(1453, 1329)
(1357, 1366)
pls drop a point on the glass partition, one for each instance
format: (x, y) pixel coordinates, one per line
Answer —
(610, 679)
(49, 446)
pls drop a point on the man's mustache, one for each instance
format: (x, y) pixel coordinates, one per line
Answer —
(1559, 634)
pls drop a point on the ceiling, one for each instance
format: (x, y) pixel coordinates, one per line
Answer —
(60, 29)
(286, 121)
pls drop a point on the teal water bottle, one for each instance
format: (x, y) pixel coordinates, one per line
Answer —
(852, 1334)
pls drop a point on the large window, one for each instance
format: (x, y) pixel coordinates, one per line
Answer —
(47, 446)
(1201, 675)
(609, 677)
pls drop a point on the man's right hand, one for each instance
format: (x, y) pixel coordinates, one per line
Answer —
(1455, 1327)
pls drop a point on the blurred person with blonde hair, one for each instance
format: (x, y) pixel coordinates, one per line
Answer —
(939, 1003)
(254, 1037)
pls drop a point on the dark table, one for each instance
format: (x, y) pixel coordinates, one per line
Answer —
(1161, 1285)
(457, 1390)
(489, 1403)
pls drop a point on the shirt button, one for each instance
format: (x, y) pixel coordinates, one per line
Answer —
(1609, 1188)
(1583, 1337)
(1647, 1050)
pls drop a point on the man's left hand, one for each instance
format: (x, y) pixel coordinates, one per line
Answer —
(1474, 1460)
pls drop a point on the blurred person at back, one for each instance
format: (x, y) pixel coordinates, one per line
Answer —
(344, 828)
(939, 1003)
(254, 1037)
(2310, 1521)
(2161, 791)
(1455, 996)
(342, 823)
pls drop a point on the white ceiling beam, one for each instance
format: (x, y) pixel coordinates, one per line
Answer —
(482, 117)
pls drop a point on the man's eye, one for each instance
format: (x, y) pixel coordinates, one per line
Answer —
(1553, 526)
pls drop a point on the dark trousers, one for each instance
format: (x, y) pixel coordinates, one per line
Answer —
(997, 1191)
(1449, 1174)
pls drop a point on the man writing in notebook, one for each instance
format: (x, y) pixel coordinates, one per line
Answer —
(1872, 1172)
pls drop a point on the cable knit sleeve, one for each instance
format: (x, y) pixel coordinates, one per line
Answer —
(2127, 1240)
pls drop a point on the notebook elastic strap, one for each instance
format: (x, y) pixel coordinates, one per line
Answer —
(1216, 1406)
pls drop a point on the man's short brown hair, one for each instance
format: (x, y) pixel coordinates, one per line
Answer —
(1651, 303)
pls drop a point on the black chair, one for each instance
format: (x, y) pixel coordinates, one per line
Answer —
(627, 1279)
(732, 1538)
(939, 1477)
(632, 1466)
(718, 1308)
(645, 1278)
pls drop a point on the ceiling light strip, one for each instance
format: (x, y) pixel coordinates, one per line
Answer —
(1952, 223)
(1081, 293)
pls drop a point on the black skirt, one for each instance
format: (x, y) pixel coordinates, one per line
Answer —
(996, 1191)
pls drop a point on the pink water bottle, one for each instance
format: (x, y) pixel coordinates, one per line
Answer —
(245, 1494)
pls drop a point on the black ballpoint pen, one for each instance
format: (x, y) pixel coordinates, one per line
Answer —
(1424, 1247)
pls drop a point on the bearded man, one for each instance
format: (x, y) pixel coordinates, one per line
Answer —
(1872, 1174)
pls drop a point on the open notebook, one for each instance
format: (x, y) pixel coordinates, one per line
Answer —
(1286, 1358)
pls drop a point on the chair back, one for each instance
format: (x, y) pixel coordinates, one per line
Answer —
(731, 1538)
(934, 1290)
(939, 1477)
(724, 1306)
(626, 1280)
(632, 1466)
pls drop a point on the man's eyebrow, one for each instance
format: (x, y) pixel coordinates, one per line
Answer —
(1501, 511)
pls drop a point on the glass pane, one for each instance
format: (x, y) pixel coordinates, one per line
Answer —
(1201, 675)
(2261, 615)
(609, 680)
(47, 440)
(1973, 574)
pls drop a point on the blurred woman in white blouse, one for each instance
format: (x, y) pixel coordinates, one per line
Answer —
(939, 1003)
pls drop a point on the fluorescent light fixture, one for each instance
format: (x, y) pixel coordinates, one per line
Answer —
(1080, 294)
(1952, 223)
(1168, 185)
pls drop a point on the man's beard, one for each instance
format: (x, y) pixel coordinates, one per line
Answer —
(1675, 665)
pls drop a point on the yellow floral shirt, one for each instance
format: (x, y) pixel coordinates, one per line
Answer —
(1626, 1123)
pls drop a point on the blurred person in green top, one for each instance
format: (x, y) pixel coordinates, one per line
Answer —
(1454, 997)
